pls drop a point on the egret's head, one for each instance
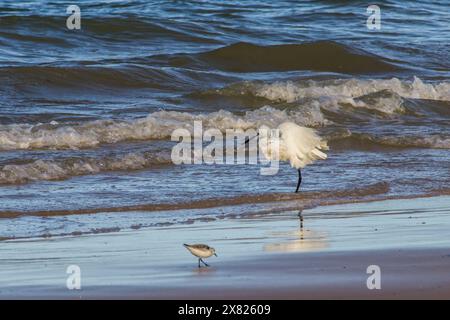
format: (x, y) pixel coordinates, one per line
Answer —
(264, 131)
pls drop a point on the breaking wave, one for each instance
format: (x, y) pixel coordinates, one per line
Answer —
(308, 104)
(67, 168)
(157, 125)
(290, 91)
(384, 96)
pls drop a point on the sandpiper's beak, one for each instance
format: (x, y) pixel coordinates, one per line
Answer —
(247, 140)
(215, 254)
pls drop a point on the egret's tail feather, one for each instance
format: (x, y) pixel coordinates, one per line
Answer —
(319, 154)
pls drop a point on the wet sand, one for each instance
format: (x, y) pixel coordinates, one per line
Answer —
(272, 256)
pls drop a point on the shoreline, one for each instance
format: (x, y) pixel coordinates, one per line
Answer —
(290, 202)
(248, 199)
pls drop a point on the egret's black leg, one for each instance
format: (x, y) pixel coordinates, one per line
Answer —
(299, 179)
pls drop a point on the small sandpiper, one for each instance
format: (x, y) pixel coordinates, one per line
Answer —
(201, 251)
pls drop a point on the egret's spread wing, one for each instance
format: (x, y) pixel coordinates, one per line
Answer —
(303, 146)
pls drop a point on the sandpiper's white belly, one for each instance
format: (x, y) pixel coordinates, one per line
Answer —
(201, 253)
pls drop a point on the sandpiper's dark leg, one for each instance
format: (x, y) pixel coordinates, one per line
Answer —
(207, 265)
(199, 263)
(299, 179)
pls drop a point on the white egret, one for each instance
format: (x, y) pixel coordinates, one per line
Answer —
(299, 145)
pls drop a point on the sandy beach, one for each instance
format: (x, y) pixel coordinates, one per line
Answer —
(267, 257)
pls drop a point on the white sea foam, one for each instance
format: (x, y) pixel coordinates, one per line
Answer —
(157, 125)
(352, 91)
(63, 169)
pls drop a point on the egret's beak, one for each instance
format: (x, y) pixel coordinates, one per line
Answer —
(247, 140)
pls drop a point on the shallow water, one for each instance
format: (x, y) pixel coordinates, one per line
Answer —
(86, 115)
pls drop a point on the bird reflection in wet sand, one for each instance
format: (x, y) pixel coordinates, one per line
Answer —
(300, 216)
(303, 240)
